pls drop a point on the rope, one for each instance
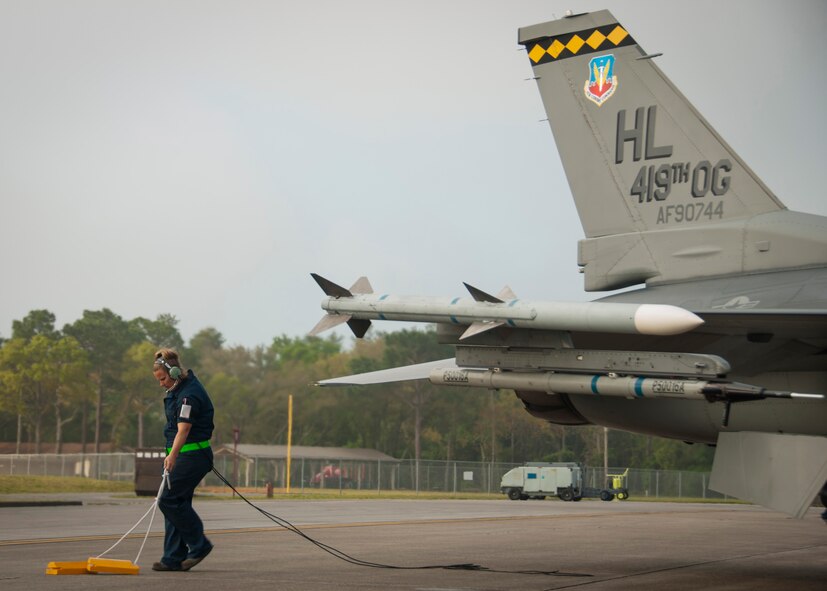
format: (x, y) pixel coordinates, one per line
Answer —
(164, 480)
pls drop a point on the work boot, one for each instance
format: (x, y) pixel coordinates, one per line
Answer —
(191, 562)
(162, 566)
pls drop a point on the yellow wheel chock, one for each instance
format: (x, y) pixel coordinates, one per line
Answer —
(97, 564)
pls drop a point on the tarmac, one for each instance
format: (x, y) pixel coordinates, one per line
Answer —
(529, 545)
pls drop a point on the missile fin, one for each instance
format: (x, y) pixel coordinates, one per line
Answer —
(329, 321)
(481, 296)
(479, 327)
(358, 326)
(362, 286)
(332, 289)
(506, 294)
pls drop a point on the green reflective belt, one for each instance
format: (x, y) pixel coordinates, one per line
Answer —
(192, 446)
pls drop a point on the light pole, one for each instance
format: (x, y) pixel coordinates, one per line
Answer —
(289, 436)
(236, 436)
(605, 453)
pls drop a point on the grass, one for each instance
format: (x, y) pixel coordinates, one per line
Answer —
(60, 484)
(221, 492)
(331, 493)
(71, 484)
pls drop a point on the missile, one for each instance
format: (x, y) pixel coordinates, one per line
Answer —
(600, 385)
(606, 385)
(359, 305)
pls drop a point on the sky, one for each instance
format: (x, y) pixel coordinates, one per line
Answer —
(202, 158)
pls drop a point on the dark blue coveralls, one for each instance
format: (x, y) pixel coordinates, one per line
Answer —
(184, 537)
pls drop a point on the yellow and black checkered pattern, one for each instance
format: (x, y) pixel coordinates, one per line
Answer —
(551, 49)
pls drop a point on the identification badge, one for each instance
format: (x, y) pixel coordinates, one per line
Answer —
(185, 410)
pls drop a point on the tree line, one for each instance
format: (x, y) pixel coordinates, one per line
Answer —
(91, 382)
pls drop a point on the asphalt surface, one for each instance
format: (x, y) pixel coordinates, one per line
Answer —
(591, 544)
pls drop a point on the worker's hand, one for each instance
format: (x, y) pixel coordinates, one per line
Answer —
(169, 462)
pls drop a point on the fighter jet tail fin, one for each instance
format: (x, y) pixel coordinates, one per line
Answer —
(661, 196)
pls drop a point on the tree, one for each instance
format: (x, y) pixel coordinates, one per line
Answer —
(106, 337)
(31, 365)
(69, 365)
(409, 347)
(142, 390)
(36, 322)
(232, 383)
(36, 360)
(13, 381)
(202, 344)
(41, 373)
(305, 350)
(161, 332)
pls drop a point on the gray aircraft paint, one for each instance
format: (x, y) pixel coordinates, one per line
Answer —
(661, 196)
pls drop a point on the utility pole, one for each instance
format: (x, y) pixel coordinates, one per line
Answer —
(236, 435)
(493, 443)
(289, 436)
(605, 453)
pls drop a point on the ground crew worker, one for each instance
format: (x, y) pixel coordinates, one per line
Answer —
(189, 414)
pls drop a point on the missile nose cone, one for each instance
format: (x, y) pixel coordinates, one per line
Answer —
(662, 320)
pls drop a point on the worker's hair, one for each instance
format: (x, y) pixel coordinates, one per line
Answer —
(168, 357)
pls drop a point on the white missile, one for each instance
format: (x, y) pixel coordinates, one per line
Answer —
(599, 385)
(603, 385)
(359, 306)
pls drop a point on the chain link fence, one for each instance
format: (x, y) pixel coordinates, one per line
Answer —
(379, 475)
(334, 474)
(110, 466)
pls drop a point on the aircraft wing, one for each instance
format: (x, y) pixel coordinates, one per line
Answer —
(419, 371)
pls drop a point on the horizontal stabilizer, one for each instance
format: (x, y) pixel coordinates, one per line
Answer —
(782, 472)
(420, 371)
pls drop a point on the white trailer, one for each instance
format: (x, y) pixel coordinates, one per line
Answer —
(539, 480)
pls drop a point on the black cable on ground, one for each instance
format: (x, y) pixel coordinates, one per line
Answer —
(359, 562)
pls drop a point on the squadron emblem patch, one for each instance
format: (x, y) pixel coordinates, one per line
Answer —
(602, 81)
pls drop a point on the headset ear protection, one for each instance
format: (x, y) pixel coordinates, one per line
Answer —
(173, 370)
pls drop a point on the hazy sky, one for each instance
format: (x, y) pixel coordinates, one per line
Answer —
(202, 158)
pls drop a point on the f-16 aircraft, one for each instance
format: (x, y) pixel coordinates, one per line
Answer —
(725, 343)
